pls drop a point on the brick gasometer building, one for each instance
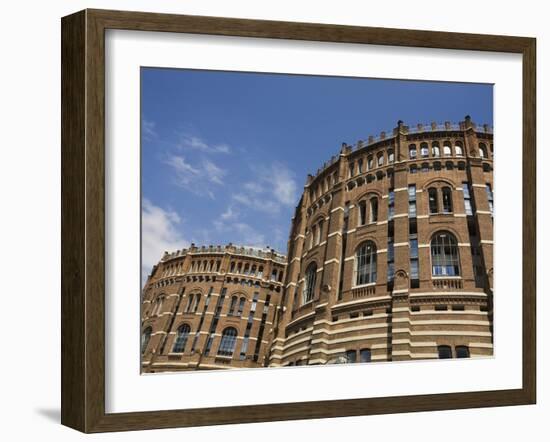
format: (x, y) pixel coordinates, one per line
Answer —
(390, 257)
(210, 307)
(391, 251)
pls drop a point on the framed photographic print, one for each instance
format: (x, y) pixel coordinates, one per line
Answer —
(269, 220)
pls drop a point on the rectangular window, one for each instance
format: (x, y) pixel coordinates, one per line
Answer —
(414, 268)
(351, 356)
(391, 271)
(413, 244)
(467, 199)
(391, 204)
(390, 259)
(365, 355)
(489, 197)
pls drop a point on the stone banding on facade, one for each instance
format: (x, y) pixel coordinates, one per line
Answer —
(390, 257)
(211, 307)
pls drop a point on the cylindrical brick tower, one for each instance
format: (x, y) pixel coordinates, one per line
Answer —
(390, 255)
(210, 307)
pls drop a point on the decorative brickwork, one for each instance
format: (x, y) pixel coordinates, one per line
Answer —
(390, 257)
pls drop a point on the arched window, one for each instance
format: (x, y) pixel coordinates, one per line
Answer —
(351, 356)
(373, 209)
(447, 151)
(447, 200)
(227, 344)
(319, 233)
(351, 169)
(313, 236)
(462, 351)
(145, 338)
(458, 149)
(260, 272)
(432, 200)
(365, 264)
(189, 303)
(365, 355)
(309, 283)
(197, 301)
(370, 164)
(232, 306)
(181, 338)
(232, 267)
(362, 213)
(241, 306)
(413, 169)
(380, 159)
(390, 156)
(444, 352)
(482, 150)
(445, 258)
(435, 149)
(412, 151)
(424, 150)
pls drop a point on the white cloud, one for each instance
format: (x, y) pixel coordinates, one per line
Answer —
(197, 178)
(240, 233)
(284, 186)
(192, 142)
(213, 172)
(159, 233)
(273, 188)
(229, 214)
(148, 129)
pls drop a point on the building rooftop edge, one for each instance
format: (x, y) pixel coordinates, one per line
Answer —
(384, 136)
(258, 252)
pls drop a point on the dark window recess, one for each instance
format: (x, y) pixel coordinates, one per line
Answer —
(444, 352)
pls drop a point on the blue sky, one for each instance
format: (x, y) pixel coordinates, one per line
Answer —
(225, 155)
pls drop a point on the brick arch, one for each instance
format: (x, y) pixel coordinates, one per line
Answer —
(318, 217)
(450, 229)
(363, 241)
(196, 290)
(239, 294)
(436, 180)
(366, 194)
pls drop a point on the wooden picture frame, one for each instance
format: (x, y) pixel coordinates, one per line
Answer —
(83, 220)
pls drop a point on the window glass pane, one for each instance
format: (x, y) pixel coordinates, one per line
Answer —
(444, 254)
(365, 262)
(444, 352)
(227, 344)
(414, 268)
(365, 355)
(351, 356)
(462, 351)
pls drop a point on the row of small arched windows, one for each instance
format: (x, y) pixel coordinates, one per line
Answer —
(226, 348)
(358, 167)
(205, 266)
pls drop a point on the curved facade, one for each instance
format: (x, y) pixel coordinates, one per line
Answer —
(210, 307)
(390, 255)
